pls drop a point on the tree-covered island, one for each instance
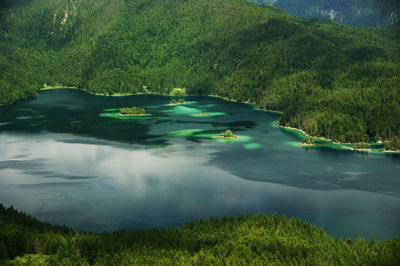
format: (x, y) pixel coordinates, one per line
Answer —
(227, 135)
(204, 114)
(177, 101)
(132, 111)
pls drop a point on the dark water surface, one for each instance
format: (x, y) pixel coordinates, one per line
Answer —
(66, 158)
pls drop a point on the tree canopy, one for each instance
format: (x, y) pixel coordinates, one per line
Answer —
(245, 239)
(132, 111)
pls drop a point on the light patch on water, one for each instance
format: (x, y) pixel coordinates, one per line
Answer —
(214, 136)
(274, 124)
(23, 117)
(28, 110)
(184, 133)
(295, 144)
(207, 105)
(156, 146)
(252, 146)
(357, 173)
(180, 104)
(350, 178)
(111, 109)
(240, 138)
(125, 117)
(208, 114)
(151, 106)
(182, 110)
(198, 133)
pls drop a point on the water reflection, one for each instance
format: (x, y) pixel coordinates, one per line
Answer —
(95, 173)
(160, 187)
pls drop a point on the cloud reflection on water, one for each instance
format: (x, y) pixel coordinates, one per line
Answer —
(126, 186)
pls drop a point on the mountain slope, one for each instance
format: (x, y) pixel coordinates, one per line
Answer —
(361, 13)
(330, 80)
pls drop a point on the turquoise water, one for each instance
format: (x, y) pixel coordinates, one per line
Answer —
(69, 158)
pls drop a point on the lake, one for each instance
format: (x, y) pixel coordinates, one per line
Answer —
(67, 157)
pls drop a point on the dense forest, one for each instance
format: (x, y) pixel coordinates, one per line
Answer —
(330, 80)
(242, 240)
(360, 13)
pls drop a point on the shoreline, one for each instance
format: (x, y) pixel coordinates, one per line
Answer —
(47, 88)
(226, 138)
(133, 114)
(247, 102)
(337, 145)
(174, 104)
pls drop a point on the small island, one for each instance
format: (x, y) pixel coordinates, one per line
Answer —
(132, 111)
(177, 101)
(227, 135)
(203, 114)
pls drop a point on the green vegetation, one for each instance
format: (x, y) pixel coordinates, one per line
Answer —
(182, 110)
(241, 240)
(227, 134)
(371, 147)
(212, 135)
(132, 111)
(117, 115)
(184, 133)
(177, 92)
(177, 101)
(308, 141)
(393, 145)
(208, 114)
(252, 146)
(55, 87)
(363, 13)
(329, 80)
(360, 146)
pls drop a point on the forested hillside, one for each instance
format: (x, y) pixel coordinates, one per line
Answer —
(361, 13)
(243, 240)
(330, 80)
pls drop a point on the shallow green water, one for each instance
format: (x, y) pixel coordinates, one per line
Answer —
(69, 158)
